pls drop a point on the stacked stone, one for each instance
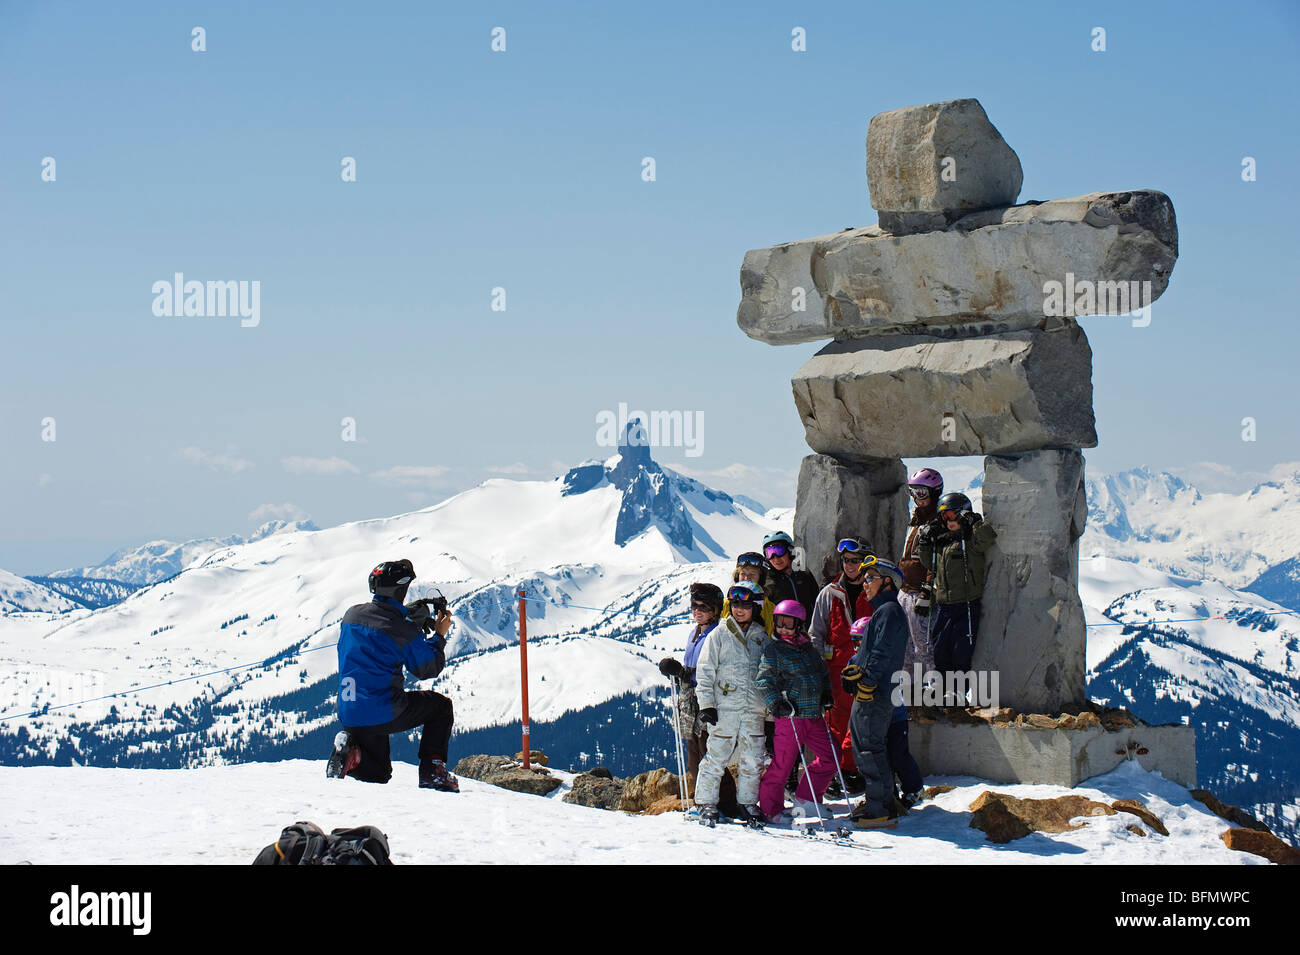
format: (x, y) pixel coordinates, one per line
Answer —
(943, 346)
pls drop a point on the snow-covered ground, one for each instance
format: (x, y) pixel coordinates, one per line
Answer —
(224, 815)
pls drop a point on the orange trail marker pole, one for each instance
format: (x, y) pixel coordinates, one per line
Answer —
(523, 672)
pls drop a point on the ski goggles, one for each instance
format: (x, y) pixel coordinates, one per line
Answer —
(776, 550)
(742, 595)
(699, 605)
(750, 559)
(919, 493)
(850, 546)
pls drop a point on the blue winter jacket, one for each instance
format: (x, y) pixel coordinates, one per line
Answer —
(880, 655)
(376, 640)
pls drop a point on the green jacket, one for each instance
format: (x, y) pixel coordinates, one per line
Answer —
(957, 580)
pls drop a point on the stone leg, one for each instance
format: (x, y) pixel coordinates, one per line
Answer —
(1033, 627)
(838, 498)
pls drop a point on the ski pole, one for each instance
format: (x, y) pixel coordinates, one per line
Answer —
(835, 752)
(677, 740)
(794, 729)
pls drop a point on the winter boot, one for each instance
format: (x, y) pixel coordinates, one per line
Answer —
(863, 820)
(709, 816)
(434, 775)
(911, 799)
(753, 817)
(344, 758)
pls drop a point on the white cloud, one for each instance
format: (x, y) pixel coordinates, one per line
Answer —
(270, 512)
(410, 475)
(318, 466)
(215, 461)
(517, 468)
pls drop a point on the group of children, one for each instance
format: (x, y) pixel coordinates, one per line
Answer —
(778, 667)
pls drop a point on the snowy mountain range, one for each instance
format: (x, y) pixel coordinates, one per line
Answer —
(604, 553)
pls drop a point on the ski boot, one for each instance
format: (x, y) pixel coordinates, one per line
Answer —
(709, 816)
(752, 817)
(857, 785)
(344, 758)
(435, 776)
(910, 800)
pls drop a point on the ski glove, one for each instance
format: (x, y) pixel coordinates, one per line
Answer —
(709, 715)
(671, 668)
(782, 708)
(828, 699)
(851, 678)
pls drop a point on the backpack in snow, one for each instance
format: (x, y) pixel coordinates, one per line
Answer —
(305, 843)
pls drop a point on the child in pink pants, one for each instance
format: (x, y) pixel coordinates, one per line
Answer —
(795, 684)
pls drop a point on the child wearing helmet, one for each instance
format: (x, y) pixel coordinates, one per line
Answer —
(924, 488)
(783, 581)
(706, 607)
(796, 689)
(752, 566)
(732, 706)
(954, 549)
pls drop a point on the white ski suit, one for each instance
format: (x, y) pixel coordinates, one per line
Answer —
(724, 680)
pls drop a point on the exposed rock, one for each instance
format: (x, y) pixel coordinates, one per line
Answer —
(998, 822)
(648, 788)
(938, 158)
(1003, 817)
(507, 773)
(1142, 812)
(536, 782)
(1032, 632)
(990, 271)
(1039, 721)
(480, 767)
(1136, 829)
(599, 792)
(1261, 844)
(1233, 814)
(838, 498)
(600, 772)
(925, 396)
(932, 791)
(535, 757)
(666, 804)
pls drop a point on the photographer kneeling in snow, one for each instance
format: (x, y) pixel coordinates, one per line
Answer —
(376, 640)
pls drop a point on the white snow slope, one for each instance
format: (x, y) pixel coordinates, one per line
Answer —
(225, 815)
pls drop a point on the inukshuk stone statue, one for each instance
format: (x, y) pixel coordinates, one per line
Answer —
(949, 338)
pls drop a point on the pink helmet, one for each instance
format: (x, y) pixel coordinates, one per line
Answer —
(927, 477)
(790, 608)
(859, 627)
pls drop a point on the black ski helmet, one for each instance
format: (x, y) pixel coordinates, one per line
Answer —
(954, 501)
(710, 594)
(391, 579)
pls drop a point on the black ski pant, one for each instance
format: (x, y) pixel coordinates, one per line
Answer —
(868, 731)
(953, 636)
(420, 707)
(901, 761)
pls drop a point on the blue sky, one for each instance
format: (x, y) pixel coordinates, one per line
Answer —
(522, 170)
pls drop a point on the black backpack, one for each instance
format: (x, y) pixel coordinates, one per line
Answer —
(305, 843)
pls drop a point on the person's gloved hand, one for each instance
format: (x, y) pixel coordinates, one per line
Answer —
(866, 692)
(828, 699)
(782, 708)
(850, 677)
(671, 668)
(709, 715)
